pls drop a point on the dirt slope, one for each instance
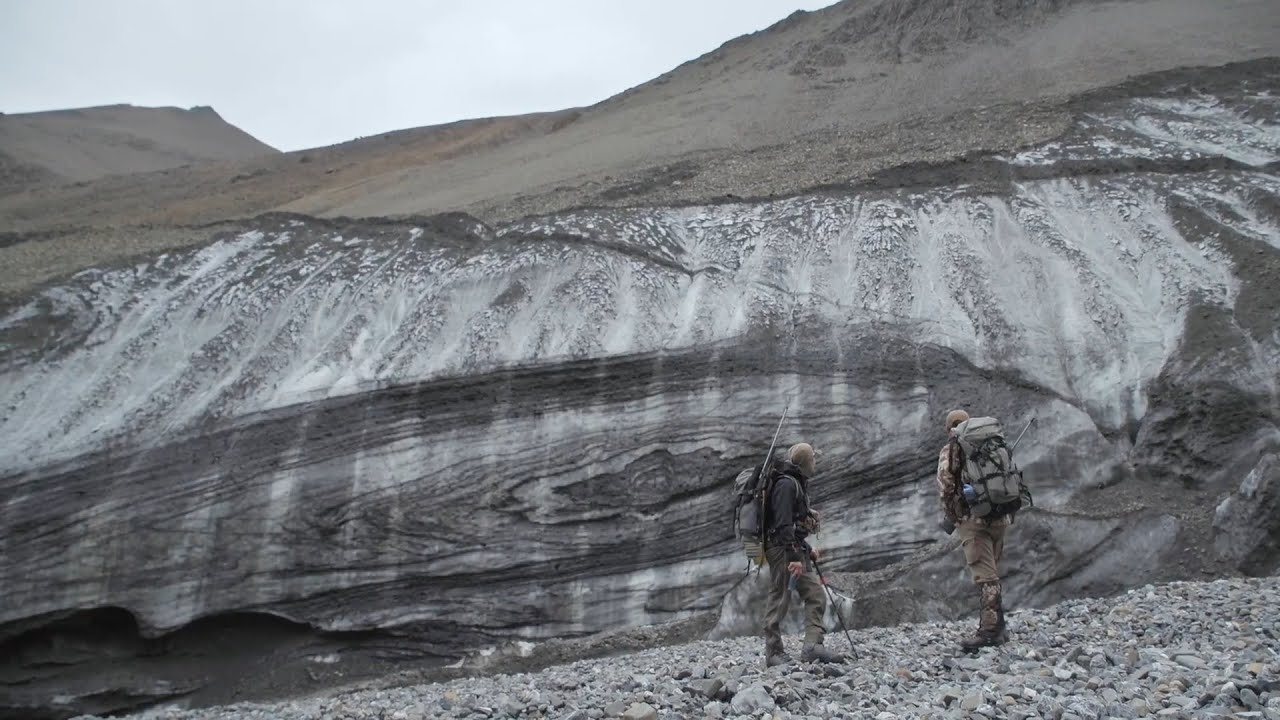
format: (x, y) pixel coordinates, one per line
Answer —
(829, 95)
(819, 98)
(89, 143)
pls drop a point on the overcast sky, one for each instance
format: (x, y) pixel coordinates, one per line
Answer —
(305, 73)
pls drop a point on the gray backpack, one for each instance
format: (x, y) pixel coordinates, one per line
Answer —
(992, 482)
(750, 492)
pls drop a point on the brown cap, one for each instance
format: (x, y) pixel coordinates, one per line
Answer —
(954, 418)
(802, 454)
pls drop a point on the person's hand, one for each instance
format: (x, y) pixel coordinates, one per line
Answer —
(816, 554)
(795, 568)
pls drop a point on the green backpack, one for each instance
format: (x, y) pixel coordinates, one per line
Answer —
(992, 482)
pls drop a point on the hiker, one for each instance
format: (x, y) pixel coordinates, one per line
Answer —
(982, 539)
(789, 520)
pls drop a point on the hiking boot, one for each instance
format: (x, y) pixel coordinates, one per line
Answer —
(775, 659)
(991, 626)
(815, 652)
(980, 639)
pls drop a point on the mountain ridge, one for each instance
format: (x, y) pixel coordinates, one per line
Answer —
(73, 145)
(795, 130)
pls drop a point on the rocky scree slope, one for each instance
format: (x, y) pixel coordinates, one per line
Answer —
(336, 447)
(1186, 650)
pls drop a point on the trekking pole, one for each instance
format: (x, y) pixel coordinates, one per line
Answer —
(835, 606)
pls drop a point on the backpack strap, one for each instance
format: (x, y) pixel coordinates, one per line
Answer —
(766, 486)
(955, 457)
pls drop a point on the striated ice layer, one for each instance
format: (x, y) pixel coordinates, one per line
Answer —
(1080, 285)
(1201, 127)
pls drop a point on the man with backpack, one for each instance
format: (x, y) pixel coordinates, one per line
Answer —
(980, 488)
(788, 520)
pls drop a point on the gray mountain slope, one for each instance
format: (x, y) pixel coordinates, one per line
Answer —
(271, 455)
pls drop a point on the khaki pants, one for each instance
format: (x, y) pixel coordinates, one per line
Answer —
(983, 545)
(811, 593)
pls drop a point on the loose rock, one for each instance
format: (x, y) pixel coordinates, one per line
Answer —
(1215, 657)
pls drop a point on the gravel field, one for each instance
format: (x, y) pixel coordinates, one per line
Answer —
(1178, 650)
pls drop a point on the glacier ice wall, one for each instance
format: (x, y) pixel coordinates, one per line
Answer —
(1081, 285)
(458, 435)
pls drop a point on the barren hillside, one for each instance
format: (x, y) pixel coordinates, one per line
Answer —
(89, 143)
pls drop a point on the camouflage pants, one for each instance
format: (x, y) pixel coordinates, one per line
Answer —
(983, 544)
(811, 593)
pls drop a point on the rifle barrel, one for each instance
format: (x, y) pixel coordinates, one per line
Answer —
(1024, 432)
(777, 432)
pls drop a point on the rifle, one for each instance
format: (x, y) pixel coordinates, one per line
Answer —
(764, 467)
(1024, 432)
(768, 458)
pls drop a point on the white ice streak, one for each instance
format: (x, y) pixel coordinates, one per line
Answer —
(1178, 129)
(1206, 126)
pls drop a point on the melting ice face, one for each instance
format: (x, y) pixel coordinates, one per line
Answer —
(1080, 283)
